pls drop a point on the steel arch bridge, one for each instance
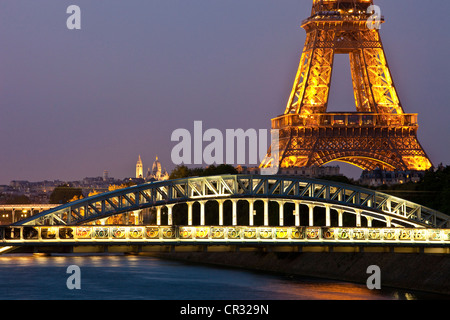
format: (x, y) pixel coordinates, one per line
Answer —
(339, 197)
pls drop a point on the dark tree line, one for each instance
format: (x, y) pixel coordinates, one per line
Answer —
(432, 191)
(184, 172)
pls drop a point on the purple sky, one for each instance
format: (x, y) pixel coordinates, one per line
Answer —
(76, 102)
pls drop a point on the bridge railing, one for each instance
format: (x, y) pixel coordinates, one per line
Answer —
(119, 234)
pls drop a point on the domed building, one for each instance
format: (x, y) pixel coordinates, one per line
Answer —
(156, 173)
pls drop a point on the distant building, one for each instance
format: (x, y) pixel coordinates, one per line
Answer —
(380, 177)
(157, 173)
(139, 169)
(247, 170)
(105, 175)
(310, 172)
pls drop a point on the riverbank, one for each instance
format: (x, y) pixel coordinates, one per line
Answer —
(413, 271)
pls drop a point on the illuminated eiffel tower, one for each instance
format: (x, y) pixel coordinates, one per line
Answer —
(379, 134)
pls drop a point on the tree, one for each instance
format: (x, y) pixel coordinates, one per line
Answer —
(17, 200)
(179, 172)
(433, 190)
(212, 170)
(64, 193)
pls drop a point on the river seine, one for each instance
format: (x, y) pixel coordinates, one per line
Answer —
(130, 277)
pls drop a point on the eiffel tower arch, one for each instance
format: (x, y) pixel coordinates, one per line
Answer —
(379, 134)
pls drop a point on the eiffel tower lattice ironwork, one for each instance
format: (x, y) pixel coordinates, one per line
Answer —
(379, 134)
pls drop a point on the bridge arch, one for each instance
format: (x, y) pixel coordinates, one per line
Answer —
(367, 206)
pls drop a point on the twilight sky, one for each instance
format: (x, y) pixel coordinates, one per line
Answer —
(76, 102)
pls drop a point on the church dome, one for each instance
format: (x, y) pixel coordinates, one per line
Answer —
(156, 168)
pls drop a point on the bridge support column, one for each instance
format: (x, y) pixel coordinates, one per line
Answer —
(281, 212)
(190, 204)
(266, 212)
(250, 212)
(311, 215)
(158, 216)
(234, 219)
(340, 217)
(327, 216)
(202, 212)
(297, 213)
(369, 222)
(169, 214)
(388, 222)
(221, 211)
(358, 218)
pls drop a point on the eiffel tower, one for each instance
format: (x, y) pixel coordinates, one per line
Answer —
(379, 134)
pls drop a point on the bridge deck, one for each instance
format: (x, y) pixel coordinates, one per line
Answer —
(218, 235)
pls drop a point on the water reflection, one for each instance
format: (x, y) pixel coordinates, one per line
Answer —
(138, 277)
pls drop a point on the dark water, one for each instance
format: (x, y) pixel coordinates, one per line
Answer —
(127, 277)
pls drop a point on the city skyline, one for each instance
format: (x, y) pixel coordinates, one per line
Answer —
(77, 102)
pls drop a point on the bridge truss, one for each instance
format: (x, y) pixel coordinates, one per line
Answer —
(333, 196)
